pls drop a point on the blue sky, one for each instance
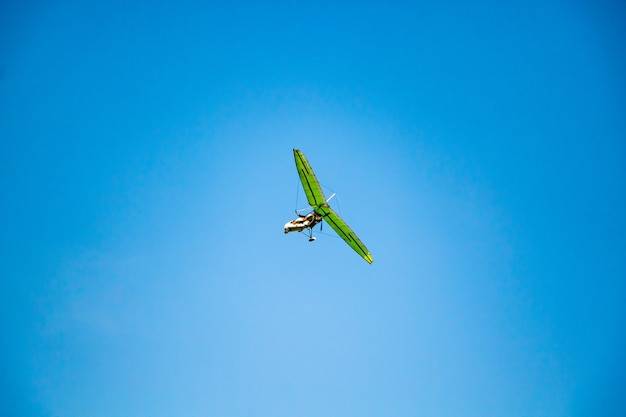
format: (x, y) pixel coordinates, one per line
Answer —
(146, 170)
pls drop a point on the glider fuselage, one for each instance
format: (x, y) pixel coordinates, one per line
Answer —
(303, 222)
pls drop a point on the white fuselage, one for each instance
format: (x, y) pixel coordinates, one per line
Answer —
(303, 222)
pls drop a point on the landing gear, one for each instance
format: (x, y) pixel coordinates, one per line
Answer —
(311, 237)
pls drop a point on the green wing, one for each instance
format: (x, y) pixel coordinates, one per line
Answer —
(344, 231)
(311, 186)
(316, 199)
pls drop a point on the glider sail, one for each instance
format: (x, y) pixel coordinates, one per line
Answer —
(344, 231)
(317, 201)
(312, 188)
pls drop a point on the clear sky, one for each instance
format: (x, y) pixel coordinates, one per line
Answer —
(478, 148)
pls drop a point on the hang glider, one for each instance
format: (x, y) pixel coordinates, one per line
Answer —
(321, 210)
